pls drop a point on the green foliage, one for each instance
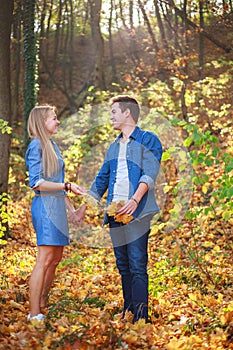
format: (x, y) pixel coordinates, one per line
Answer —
(162, 97)
(223, 194)
(162, 273)
(196, 145)
(4, 127)
(220, 195)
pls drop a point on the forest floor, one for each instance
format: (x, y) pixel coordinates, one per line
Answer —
(190, 288)
(191, 294)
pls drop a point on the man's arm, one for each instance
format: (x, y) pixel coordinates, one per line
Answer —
(100, 184)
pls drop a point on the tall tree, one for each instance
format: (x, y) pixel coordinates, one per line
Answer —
(95, 7)
(161, 26)
(57, 35)
(201, 40)
(227, 48)
(5, 94)
(29, 53)
(112, 57)
(16, 61)
(133, 43)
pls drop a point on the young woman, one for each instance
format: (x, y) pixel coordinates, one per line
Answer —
(46, 176)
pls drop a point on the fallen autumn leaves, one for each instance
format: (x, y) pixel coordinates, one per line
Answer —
(187, 311)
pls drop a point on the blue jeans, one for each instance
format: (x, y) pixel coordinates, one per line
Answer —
(131, 261)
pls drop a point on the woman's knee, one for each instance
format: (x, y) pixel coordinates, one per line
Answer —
(49, 257)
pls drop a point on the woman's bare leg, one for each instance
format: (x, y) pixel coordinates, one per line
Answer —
(45, 260)
(49, 276)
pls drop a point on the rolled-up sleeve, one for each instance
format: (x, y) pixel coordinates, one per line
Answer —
(152, 153)
(34, 163)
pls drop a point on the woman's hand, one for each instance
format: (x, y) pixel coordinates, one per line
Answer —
(77, 216)
(77, 189)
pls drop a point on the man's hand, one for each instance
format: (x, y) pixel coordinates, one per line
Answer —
(77, 216)
(128, 208)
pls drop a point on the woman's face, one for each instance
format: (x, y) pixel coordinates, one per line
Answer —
(51, 122)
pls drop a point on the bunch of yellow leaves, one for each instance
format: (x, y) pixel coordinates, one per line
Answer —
(90, 201)
(114, 207)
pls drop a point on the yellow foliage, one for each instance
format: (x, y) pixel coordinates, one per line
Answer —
(186, 307)
(205, 187)
(17, 306)
(112, 209)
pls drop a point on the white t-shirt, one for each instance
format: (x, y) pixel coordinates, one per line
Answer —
(121, 187)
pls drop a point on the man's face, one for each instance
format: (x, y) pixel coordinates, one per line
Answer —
(118, 118)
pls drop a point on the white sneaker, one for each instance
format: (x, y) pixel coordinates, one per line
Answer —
(39, 317)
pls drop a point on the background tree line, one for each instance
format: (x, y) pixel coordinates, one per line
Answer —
(65, 52)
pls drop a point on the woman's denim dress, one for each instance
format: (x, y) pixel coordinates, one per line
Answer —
(48, 208)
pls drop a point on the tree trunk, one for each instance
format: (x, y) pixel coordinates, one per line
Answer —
(95, 7)
(149, 28)
(42, 25)
(185, 30)
(16, 46)
(29, 51)
(5, 102)
(48, 30)
(201, 41)
(156, 47)
(57, 36)
(112, 57)
(133, 44)
(161, 27)
(71, 46)
(207, 35)
(184, 67)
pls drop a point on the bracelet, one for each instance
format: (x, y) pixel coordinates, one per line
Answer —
(67, 186)
(135, 200)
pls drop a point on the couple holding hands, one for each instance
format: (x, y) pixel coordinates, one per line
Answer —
(128, 173)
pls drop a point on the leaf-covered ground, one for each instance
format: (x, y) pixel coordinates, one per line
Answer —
(190, 283)
(191, 294)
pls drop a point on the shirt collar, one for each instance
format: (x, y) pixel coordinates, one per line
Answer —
(135, 133)
(132, 136)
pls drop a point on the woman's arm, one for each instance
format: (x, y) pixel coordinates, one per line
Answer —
(56, 186)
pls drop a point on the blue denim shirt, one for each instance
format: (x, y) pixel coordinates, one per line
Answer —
(143, 156)
(34, 165)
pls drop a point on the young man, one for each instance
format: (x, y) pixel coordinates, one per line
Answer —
(129, 173)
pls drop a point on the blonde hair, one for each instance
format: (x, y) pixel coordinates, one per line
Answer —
(37, 129)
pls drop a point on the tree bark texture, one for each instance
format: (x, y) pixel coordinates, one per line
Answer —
(16, 47)
(95, 7)
(5, 93)
(207, 35)
(201, 41)
(29, 51)
(5, 106)
(111, 50)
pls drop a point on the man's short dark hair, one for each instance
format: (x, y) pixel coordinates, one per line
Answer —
(125, 102)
